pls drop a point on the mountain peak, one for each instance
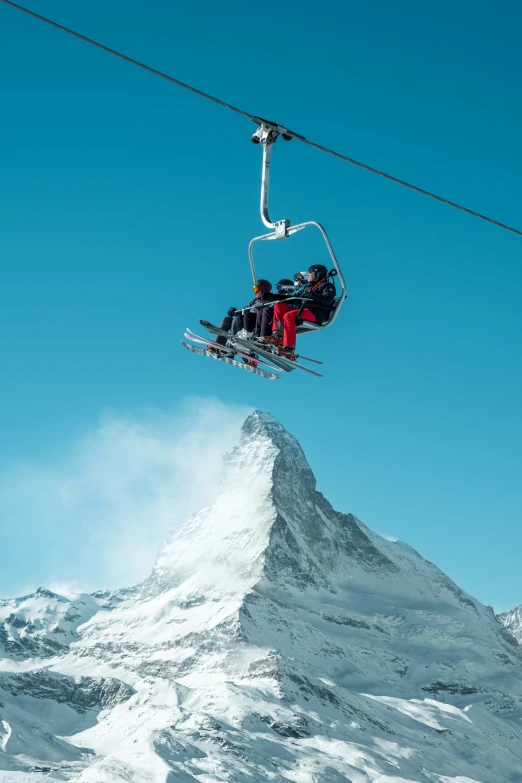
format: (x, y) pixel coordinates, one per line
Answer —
(261, 424)
(267, 524)
(275, 635)
(261, 429)
(265, 475)
(43, 592)
(261, 421)
(263, 417)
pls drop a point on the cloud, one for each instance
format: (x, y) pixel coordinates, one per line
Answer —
(107, 504)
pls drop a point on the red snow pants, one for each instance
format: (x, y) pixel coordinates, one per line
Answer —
(288, 315)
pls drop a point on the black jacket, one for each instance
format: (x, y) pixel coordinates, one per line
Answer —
(267, 296)
(323, 296)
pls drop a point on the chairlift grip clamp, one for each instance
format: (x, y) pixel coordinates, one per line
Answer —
(276, 130)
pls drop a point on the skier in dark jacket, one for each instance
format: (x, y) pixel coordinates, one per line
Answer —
(236, 320)
(265, 317)
(321, 291)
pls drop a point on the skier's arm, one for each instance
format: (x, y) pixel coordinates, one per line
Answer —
(248, 307)
(325, 297)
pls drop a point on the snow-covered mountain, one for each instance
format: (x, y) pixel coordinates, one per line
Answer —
(513, 622)
(43, 624)
(276, 640)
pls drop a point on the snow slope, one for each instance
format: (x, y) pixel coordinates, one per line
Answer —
(275, 640)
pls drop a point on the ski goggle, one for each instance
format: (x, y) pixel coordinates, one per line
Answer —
(257, 288)
(284, 287)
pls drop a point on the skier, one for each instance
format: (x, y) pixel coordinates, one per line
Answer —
(300, 281)
(265, 317)
(321, 291)
(236, 321)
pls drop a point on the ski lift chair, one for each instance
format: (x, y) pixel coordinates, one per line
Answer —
(267, 135)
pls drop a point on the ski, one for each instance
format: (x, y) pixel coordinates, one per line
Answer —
(190, 335)
(286, 364)
(278, 360)
(307, 358)
(271, 376)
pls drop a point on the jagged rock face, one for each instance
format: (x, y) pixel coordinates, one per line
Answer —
(81, 694)
(513, 622)
(276, 639)
(43, 624)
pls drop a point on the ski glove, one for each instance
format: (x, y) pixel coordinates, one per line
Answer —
(231, 312)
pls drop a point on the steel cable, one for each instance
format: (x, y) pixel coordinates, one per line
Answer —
(255, 118)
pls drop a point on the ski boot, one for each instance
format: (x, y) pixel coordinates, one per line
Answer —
(287, 352)
(274, 339)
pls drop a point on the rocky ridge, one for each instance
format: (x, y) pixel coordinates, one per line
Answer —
(513, 622)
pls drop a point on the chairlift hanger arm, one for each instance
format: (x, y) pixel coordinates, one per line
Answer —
(267, 134)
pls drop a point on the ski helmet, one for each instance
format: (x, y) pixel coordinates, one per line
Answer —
(319, 270)
(285, 285)
(261, 285)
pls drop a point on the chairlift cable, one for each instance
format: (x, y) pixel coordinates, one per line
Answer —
(256, 119)
(127, 59)
(410, 186)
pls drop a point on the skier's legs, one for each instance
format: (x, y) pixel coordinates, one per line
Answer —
(250, 321)
(225, 324)
(289, 319)
(264, 323)
(280, 308)
(259, 323)
(237, 323)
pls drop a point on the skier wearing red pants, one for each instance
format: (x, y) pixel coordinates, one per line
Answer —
(321, 291)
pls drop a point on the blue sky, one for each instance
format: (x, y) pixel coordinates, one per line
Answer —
(127, 205)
